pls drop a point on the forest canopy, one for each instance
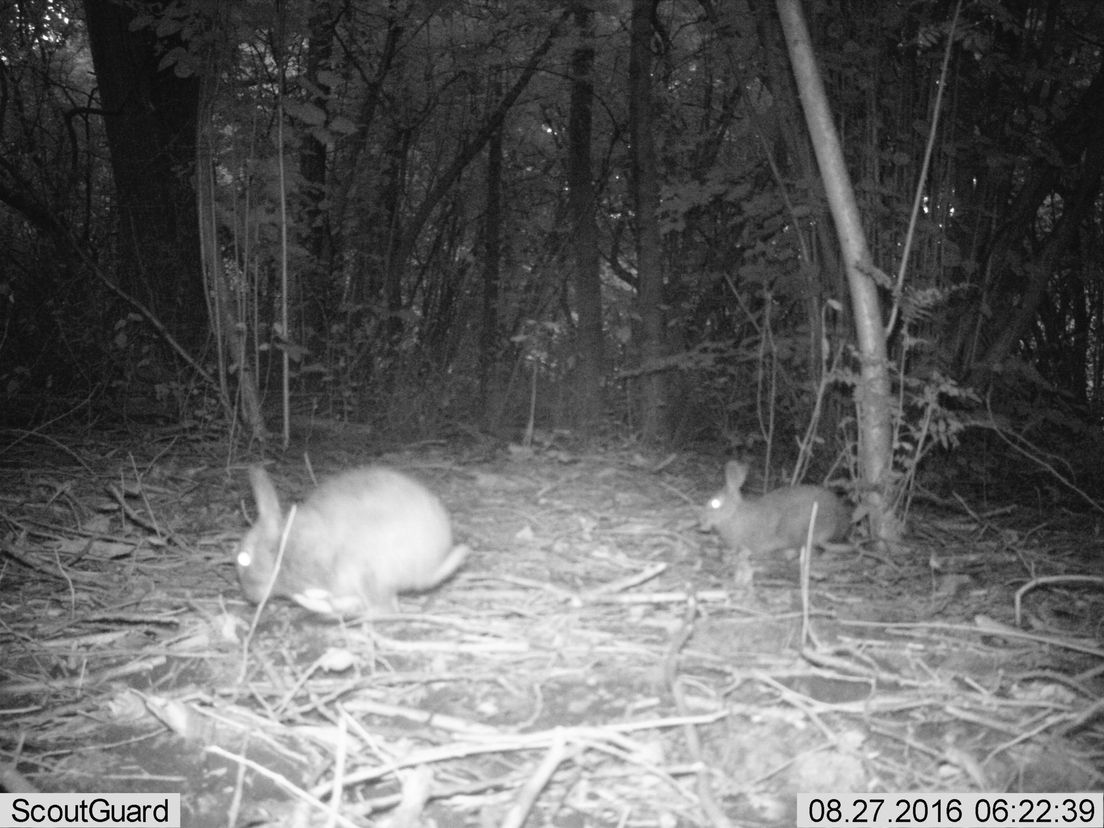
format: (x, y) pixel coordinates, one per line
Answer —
(428, 209)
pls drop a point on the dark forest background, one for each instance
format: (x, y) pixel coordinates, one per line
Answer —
(446, 195)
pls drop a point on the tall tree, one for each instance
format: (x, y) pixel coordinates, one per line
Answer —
(584, 248)
(489, 334)
(654, 416)
(150, 119)
(314, 227)
(873, 395)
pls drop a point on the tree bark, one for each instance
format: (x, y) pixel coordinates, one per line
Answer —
(314, 216)
(873, 391)
(150, 121)
(654, 414)
(492, 276)
(584, 243)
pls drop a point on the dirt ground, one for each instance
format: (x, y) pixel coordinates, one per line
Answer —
(593, 663)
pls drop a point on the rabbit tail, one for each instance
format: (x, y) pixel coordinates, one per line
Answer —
(450, 564)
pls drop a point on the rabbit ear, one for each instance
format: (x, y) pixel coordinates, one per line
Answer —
(269, 514)
(735, 475)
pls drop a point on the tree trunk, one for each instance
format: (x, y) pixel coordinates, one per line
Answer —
(150, 121)
(654, 415)
(584, 245)
(873, 392)
(314, 218)
(492, 263)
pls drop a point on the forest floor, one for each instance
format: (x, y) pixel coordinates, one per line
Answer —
(591, 664)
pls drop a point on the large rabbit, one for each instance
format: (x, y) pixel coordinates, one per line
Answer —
(355, 543)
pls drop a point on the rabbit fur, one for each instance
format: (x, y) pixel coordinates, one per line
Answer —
(358, 540)
(777, 521)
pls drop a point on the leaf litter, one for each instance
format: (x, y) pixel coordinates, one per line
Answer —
(593, 663)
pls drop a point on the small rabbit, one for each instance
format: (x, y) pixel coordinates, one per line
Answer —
(357, 541)
(777, 521)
